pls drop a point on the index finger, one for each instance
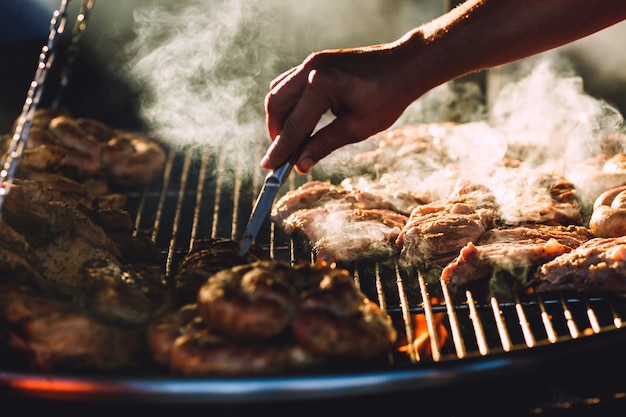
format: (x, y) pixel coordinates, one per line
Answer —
(298, 124)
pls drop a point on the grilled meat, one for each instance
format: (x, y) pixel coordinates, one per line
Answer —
(354, 220)
(85, 148)
(401, 149)
(553, 202)
(597, 266)
(352, 193)
(207, 257)
(129, 295)
(335, 319)
(318, 307)
(46, 333)
(182, 343)
(249, 302)
(512, 249)
(437, 231)
(130, 158)
(346, 235)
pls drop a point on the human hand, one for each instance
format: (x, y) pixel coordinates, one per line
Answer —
(364, 88)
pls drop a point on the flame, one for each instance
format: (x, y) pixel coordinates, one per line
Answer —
(422, 338)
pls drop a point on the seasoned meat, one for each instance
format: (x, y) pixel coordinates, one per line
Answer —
(207, 257)
(129, 295)
(437, 231)
(596, 266)
(182, 343)
(52, 334)
(81, 148)
(346, 235)
(70, 240)
(335, 319)
(552, 200)
(358, 219)
(403, 148)
(511, 249)
(249, 302)
(130, 158)
(353, 193)
(321, 308)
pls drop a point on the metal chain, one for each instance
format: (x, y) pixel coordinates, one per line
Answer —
(35, 90)
(80, 26)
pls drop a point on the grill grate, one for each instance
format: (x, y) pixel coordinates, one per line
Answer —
(198, 197)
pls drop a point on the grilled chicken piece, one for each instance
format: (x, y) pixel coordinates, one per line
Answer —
(249, 302)
(513, 249)
(182, 343)
(598, 266)
(130, 295)
(436, 232)
(207, 257)
(19, 263)
(85, 148)
(321, 307)
(353, 193)
(358, 219)
(50, 334)
(347, 235)
(130, 159)
(553, 202)
(335, 319)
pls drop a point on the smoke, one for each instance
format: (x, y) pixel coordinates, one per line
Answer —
(204, 66)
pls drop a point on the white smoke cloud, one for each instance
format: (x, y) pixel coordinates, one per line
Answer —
(205, 65)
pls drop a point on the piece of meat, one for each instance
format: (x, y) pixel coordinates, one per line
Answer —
(129, 295)
(513, 249)
(436, 232)
(358, 219)
(207, 257)
(182, 343)
(51, 334)
(403, 148)
(319, 307)
(132, 159)
(335, 319)
(249, 302)
(548, 199)
(598, 266)
(347, 235)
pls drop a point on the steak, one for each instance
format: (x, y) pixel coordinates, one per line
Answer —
(511, 249)
(596, 266)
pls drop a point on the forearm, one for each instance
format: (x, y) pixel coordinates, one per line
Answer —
(481, 34)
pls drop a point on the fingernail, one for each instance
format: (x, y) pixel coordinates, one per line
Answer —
(306, 164)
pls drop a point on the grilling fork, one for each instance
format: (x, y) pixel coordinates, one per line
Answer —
(265, 200)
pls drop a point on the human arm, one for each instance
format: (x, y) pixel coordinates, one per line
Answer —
(368, 88)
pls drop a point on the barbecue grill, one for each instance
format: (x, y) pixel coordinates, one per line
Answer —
(447, 335)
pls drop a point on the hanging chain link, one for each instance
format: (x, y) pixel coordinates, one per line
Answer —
(80, 26)
(35, 90)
